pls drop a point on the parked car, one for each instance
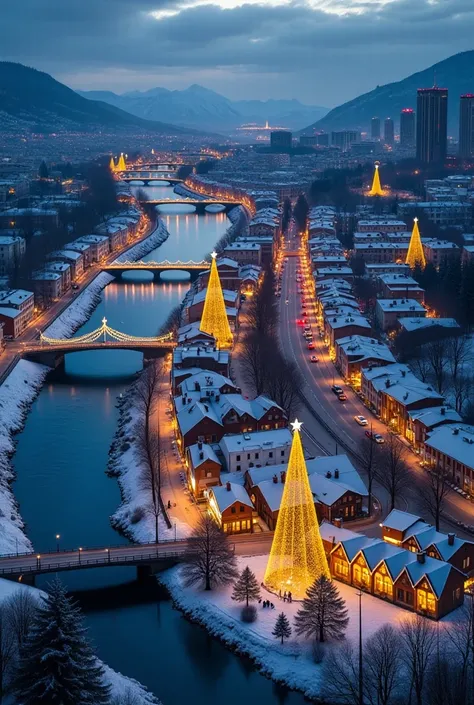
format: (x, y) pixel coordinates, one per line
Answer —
(376, 437)
(361, 420)
(310, 346)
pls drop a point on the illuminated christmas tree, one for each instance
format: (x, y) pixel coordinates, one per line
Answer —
(415, 254)
(214, 316)
(297, 555)
(121, 166)
(112, 165)
(376, 189)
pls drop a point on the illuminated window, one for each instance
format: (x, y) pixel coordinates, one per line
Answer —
(341, 568)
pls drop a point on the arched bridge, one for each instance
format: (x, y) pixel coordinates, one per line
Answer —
(51, 351)
(157, 268)
(199, 205)
(156, 166)
(148, 558)
(148, 178)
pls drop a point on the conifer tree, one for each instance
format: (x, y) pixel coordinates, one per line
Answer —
(323, 614)
(282, 628)
(57, 665)
(246, 587)
(43, 172)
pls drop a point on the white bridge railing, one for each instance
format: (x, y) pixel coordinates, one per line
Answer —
(106, 333)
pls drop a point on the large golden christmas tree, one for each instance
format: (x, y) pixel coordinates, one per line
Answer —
(112, 165)
(214, 316)
(376, 189)
(121, 166)
(415, 254)
(297, 555)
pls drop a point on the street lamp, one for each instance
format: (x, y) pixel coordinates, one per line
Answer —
(80, 551)
(58, 536)
(38, 561)
(108, 554)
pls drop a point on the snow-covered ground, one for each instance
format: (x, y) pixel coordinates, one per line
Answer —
(121, 685)
(157, 237)
(292, 662)
(135, 517)
(16, 395)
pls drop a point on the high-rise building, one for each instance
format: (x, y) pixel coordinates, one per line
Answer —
(344, 138)
(407, 127)
(466, 126)
(388, 131)
(281, 139)
(431, 125)
(375, 128)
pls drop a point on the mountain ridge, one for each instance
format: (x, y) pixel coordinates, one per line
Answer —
(456, 73)
(198, 107)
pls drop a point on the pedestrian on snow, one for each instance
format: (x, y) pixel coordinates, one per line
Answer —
(284, 596)
(290, 597)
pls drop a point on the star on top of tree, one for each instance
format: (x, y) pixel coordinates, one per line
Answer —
(296, 425)
(214, 254)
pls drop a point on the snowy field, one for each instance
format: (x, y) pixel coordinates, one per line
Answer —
(290, 663)
(121, 685)
(135, 517)
(16, 395)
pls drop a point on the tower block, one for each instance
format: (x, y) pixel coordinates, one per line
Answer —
(376, 189)
(121, 166)
(415, 255)
(214, 316)
(297, 556)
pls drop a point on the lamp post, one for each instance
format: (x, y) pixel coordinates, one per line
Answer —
(80, 551)
(38, 561)
(108, 554)
(58, 536)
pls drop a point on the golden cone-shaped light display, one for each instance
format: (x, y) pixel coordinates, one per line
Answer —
(297, 556)
(214, 316)
(121, 166)
(376, 189)
(415, 254)
(112, 164)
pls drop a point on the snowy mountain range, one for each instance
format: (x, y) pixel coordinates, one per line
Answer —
(202, 108)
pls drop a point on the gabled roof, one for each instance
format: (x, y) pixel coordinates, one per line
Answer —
(226, 498)
(193, 414)
(206, 451)
(400, 521)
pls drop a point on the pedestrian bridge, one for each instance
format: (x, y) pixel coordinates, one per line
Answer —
(200, 206)
(148, 559)
(51, 351)
(148, 179)
(190, 267)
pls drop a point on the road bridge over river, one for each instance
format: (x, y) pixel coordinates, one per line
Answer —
(194, 269)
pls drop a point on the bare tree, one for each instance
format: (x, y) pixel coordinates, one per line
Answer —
(8, 648)
(436, 353)
(20, 609)
(461, 388)
(369, 456)
(147, 429)
(421, 366)
(393, 473)
(262, 311)
(341, 676)
(252, 352)
(209, 559)
(382, 665)
(418, 637)
(283, 383)
(173, 322)
(433, 494)
(458, 352)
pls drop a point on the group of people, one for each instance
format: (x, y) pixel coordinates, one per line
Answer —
(267, 603)
(287, 596)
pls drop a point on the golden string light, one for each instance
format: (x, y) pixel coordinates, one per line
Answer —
(376, 189)
(214, 316)
(415, 254)
(297, 556)
(105, 331)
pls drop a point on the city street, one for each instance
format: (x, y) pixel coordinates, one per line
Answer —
(330, 421)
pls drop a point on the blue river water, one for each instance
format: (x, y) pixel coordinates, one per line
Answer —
(62, 489)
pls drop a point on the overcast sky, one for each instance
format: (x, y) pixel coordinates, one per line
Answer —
(322, 52)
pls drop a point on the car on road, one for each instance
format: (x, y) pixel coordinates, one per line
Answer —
(313, 358)
(361, 420)
(337, 389)
(75, 286)
(376, 437)
(299, 322)
(310, 346)
(342, 397)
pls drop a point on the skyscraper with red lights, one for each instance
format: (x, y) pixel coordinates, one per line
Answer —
(431, 125)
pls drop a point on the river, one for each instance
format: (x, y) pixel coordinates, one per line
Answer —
(63, 490)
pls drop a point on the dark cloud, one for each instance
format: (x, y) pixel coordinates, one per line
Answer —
(322, 53)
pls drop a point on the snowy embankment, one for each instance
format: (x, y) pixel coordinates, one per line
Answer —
(70, 320)
(186, 192)
(121, 686)
(291, 663)
(135, 517)
(16, 396)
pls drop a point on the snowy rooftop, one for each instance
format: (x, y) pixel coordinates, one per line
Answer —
(184, 351)
(229, 493)
(400, 521)
(398, 279)
(434, 415)
(365, 348)
(353, 319)
(412, 324)
(230, 297)
(15, 297)
(200, 455)
(402, 246)
(454, 440)
(388, 305)
(433, 244)
(205, 380)
(274, 438)
(94, 239)
(67, 254)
